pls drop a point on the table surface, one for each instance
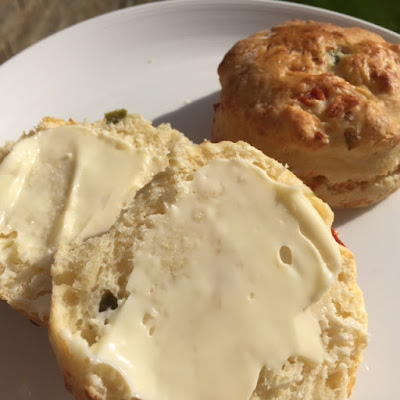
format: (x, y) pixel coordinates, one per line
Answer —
(24, 22)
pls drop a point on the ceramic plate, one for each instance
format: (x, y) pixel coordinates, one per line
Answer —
(160, 60)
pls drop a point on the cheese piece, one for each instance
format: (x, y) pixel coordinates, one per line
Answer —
(220, 288)
(65, 183)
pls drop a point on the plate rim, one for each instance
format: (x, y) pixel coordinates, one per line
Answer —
(160, 4)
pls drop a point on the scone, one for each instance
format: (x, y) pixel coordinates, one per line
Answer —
(322, 99)
(222, 280)
(66, 181)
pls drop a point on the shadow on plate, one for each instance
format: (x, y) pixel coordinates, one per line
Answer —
(28, 368)
(193, 119)
(343, 216)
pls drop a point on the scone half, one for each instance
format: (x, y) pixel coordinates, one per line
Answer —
(322, 99)
(176, 300)
(66, 180)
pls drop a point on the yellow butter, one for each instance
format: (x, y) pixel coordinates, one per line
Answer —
(220, 288)
(65, 183)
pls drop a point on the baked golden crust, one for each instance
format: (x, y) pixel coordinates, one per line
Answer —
(322, 99)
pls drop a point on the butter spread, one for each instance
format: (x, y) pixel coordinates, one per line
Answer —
(220, 288)
(64, 183)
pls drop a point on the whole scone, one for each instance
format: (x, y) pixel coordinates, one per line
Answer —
(190, 294)
(323, 99)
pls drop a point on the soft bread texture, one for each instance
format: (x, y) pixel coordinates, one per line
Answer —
(92, 276)
(27, 287)
(322, 99)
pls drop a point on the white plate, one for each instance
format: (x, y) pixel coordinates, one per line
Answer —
(160, 60)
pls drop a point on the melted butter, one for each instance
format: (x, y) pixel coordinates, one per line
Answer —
(220, 288)
(65, 183)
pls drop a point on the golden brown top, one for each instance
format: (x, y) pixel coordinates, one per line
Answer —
(318, 85)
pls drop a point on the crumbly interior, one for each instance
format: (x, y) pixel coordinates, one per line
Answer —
(90, 282)
(27, 287)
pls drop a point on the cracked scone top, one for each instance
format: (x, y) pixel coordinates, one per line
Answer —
(321, 98)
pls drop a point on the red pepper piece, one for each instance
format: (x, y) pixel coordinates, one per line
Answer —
(336, 237)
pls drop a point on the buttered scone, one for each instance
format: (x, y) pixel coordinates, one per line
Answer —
(68, 181)
(322, 99)
(222, 280)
